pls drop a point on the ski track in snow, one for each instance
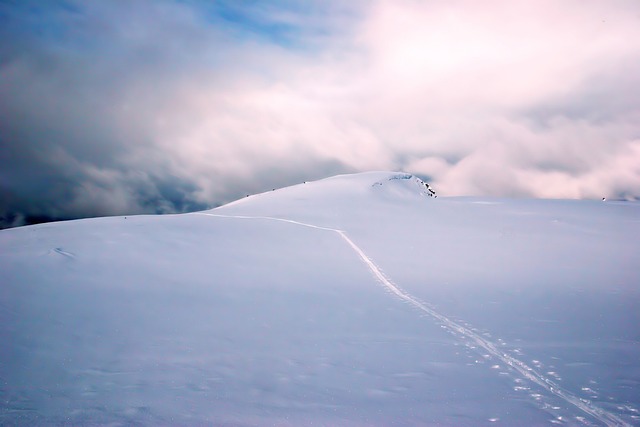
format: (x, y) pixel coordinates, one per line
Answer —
(586, 406)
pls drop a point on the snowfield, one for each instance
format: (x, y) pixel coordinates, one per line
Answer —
(354, 300)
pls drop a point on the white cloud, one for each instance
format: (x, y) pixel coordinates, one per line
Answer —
(506, 99)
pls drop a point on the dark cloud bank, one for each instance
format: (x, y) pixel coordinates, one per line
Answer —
(110, 107)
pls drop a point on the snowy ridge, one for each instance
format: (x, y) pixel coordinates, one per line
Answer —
(345, 189)
(526, 371)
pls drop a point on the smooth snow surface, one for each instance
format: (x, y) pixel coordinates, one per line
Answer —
(355, 300)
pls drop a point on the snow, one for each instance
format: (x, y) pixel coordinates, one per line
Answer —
(354, 300)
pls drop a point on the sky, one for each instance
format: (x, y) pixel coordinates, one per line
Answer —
(114, 107)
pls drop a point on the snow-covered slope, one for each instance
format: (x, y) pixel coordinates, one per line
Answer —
(354, 300)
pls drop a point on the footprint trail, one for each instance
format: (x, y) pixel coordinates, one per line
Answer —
(526, 371)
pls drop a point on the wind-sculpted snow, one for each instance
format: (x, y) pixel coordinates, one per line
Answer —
(353, 300)
(423, 188)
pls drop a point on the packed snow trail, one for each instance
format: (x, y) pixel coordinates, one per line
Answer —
(602, 415)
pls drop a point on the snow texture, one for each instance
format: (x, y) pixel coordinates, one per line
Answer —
(355, 300)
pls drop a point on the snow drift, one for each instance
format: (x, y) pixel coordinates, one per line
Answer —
(354, 300)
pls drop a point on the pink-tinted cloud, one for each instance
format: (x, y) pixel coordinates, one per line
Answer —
(167, 106)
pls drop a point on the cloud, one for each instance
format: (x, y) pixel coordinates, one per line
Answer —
(131, 107)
